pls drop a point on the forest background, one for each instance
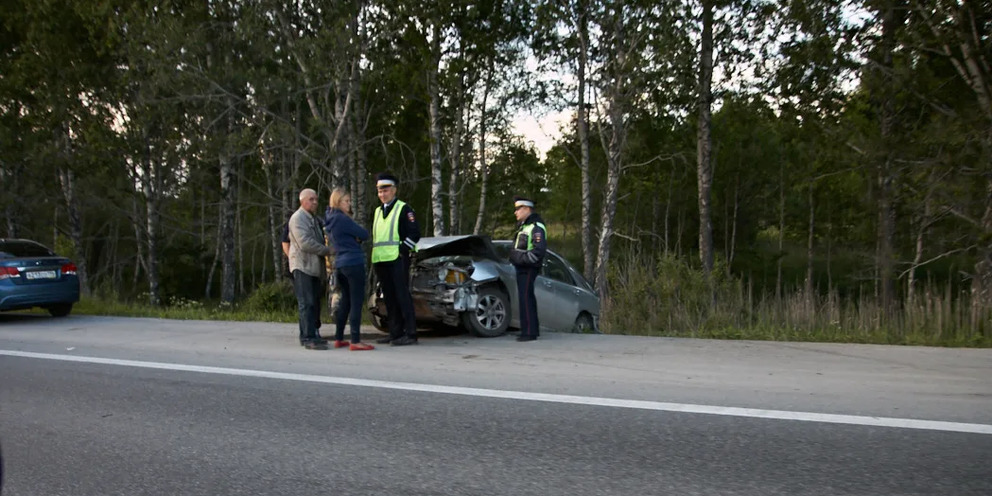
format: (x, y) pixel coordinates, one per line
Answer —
(768, 169)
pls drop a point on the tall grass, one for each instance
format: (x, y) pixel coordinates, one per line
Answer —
(664, 296)
(271, 302)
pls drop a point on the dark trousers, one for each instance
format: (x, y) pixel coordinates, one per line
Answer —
(351, 280)
(308, 291)
(394, 277)
(526, 278)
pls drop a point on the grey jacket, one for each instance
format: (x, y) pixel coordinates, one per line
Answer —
(306, 245)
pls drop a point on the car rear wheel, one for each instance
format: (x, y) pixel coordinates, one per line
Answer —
(60, 310)
(491, 317)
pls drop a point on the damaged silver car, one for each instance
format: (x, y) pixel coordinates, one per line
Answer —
(467, 281)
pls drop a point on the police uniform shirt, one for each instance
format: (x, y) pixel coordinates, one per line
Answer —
(520, 255)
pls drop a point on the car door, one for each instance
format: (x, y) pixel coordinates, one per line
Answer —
(558, 309)
(544, 293)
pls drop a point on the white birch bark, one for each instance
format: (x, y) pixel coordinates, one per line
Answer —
(434, 96)
(588, 259)
(483, 163)
(704, 166)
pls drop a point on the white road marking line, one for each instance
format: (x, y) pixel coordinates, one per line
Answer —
(899, 423)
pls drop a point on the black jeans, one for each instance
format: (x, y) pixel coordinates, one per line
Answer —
(351, 280)
(527, 301)
(308, 295)
(394, 277)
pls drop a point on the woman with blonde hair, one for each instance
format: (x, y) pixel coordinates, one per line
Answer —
(349, 268)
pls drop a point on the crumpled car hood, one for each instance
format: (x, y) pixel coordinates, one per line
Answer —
(466, 245)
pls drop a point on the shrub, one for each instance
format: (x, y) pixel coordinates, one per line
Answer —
(271, 297)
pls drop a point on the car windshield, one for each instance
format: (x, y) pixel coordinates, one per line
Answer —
(18, 249)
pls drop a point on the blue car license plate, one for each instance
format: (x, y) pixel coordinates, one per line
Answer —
(40, 274)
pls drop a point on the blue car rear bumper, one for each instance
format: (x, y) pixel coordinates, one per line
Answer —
(17, 297)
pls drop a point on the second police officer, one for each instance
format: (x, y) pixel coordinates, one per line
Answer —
(527, 256)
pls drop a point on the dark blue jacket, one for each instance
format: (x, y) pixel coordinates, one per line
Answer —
(346, 236)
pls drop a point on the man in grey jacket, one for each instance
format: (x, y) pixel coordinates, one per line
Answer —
(307, 264)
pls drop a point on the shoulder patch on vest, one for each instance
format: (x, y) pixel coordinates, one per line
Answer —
(537, 236)
(409, 215)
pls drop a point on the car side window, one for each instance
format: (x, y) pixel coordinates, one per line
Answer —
(555, 269)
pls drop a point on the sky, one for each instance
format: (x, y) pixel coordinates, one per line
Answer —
(543, 131)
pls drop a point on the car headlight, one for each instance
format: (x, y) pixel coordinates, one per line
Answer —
(452, 275)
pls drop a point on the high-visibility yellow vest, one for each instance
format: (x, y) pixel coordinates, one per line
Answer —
(527, 230)
(386, 234)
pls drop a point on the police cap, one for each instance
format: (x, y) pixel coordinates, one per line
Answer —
(519, 201)
(384, 179)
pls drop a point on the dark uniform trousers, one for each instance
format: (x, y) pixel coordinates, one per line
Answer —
(526, 278)
(395, 280)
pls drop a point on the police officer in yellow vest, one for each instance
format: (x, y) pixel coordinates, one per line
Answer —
(394, 235)
(527, 256)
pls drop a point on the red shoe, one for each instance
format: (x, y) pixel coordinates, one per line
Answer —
(340, 344)
(361, 347)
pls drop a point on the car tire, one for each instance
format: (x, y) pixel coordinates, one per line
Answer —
(60, 310)
(584, 324)
(491, 317)
(380, 323)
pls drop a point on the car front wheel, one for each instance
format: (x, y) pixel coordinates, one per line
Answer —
(584, 324)
(491, 316)
(378, 321)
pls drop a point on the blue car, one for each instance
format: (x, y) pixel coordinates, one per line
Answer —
(32, 275)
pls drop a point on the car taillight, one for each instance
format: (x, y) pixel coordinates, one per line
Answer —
(69, 269)
(8, 272)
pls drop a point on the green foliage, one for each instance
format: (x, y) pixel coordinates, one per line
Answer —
(273, 297)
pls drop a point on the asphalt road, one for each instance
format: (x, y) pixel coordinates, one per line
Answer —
(113, 406)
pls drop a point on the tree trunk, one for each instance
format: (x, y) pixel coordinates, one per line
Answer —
(67, 178)
(615, 74)
(668, 210)
(272, 209)
(341, 173)
(703, 141)
(809, 245)
(138, 221)
(213, 264)
(483, 164)
(434, 95)
(892, 19)
(733, 225)
(228, 189)
(455, 156)
(921, 232)
(583, 134)
(150, 187)
(10, 182)
(238, 230)
(606, 219)
(781, 232)
(360, 206)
